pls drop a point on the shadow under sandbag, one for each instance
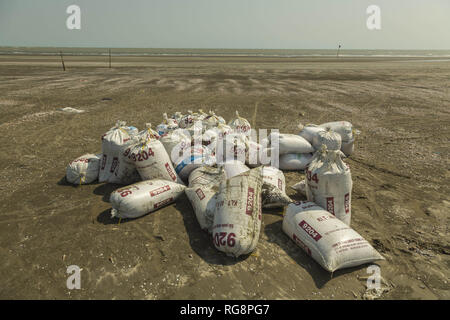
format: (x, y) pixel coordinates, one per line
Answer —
(201, 242)
(105, 218)
(63, 182)
(106, 189)
(320, 276)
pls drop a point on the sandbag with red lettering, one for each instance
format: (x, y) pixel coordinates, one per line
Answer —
(143, 197)
(83, 169)
(203, 187)
(329, 183)
(240, 125)
(329, 241)
(237, 220)
(152, 161)
(112, 145)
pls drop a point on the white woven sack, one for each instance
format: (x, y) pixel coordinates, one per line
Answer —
(253, 154)
(290, 143)
(84, 169)
(113, 143)
(206, 175)
(237, 220)
(329, 241)
(212, 121)
(223, 130)
(177, 116)
(175, 142)
(232, 147)
(309, 132)
(343, 128)
(192, 158)
(295, 161)
(203, 200)
(148, 132)
(186, 120)
(125, 170)
(332, 140)
(234, 168)
(167, 125)
(348, 147)
(240, 125)
(143, 197)
(152, 161)
(329, 184)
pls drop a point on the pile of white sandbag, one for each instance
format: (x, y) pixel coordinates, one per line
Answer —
(229, 177)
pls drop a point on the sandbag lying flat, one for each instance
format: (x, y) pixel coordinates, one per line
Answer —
(309, 132)
(237, 220)
(315, 134)
(343, 128)
(290, 143)
(143, 197)
(191, 159)
(295, 161)
(329, 241)
(206, 175)
(346, 131)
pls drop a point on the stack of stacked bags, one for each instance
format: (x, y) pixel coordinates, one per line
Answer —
(199, 154)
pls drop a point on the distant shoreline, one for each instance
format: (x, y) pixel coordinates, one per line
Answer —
(253, 53)
(96, 60)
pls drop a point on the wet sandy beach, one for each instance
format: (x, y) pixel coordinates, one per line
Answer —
(400, 171)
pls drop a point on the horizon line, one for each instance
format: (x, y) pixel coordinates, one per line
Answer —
(217, 48)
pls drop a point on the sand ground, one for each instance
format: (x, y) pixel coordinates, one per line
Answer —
(400, 169)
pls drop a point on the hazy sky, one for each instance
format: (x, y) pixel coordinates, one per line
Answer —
(283, 24)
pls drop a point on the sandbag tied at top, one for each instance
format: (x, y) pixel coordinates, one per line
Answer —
(148, 132)
(84, 169)
(240, 125)
(347, 132)
(113, 143)
(329, 183)
(167, 125)
(289, 143)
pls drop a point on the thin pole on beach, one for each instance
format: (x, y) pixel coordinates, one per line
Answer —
(62, 61)
(110, 58)
(337, 55)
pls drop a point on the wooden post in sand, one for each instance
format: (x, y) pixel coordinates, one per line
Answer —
(110, 58)
(62, 61)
